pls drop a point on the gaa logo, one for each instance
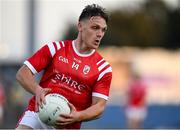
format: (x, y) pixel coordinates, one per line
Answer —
(86, 69)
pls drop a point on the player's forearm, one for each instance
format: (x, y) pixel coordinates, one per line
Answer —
(26, 79)
(93, 112)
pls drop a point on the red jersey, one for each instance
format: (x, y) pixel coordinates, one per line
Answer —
(2, 95)
(76, 76)
(137, 93)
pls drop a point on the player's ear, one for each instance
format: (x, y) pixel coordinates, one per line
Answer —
(79, 26)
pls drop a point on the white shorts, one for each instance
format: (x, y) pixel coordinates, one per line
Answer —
(31, 119)
(138, 113)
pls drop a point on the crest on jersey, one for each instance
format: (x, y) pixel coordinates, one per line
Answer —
(86, 69)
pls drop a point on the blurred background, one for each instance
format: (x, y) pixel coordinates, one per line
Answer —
(143, 36)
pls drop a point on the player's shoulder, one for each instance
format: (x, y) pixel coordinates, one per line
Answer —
(100, 58)
(102, 63)
(60, 44)
(55, 46)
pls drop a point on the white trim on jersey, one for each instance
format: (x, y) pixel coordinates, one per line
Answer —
(58, 45)
(62, 43)
(109, 69)
(51, 48)
(100, 61)
(79, 54)
(33, 70)
(100, 95)
(103, 66)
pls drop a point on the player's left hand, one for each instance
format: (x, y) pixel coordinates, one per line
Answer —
(65, 119)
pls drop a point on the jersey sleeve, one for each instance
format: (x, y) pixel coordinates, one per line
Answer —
(102, 86)
(39, 60)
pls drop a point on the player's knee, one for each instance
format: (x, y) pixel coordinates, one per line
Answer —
(23, 127)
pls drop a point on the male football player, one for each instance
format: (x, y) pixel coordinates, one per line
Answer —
(72, 68)
(136, 107)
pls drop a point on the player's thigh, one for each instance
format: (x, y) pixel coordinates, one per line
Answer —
(22, 127)
(30, 119)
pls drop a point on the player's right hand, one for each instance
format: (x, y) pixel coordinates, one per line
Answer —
(40, 97)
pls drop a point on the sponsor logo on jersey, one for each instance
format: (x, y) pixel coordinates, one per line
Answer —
(73, 85)
(63, 59)
(86, 69)
(77, 60)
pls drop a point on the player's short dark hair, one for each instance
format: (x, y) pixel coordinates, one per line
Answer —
(93, 10)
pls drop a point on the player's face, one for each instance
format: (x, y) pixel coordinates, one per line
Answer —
(92, 31)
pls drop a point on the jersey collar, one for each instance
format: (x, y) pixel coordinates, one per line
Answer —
(80, 54)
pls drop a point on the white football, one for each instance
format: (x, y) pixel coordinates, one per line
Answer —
(56, 104)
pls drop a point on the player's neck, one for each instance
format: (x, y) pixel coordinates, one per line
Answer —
(81, 47)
